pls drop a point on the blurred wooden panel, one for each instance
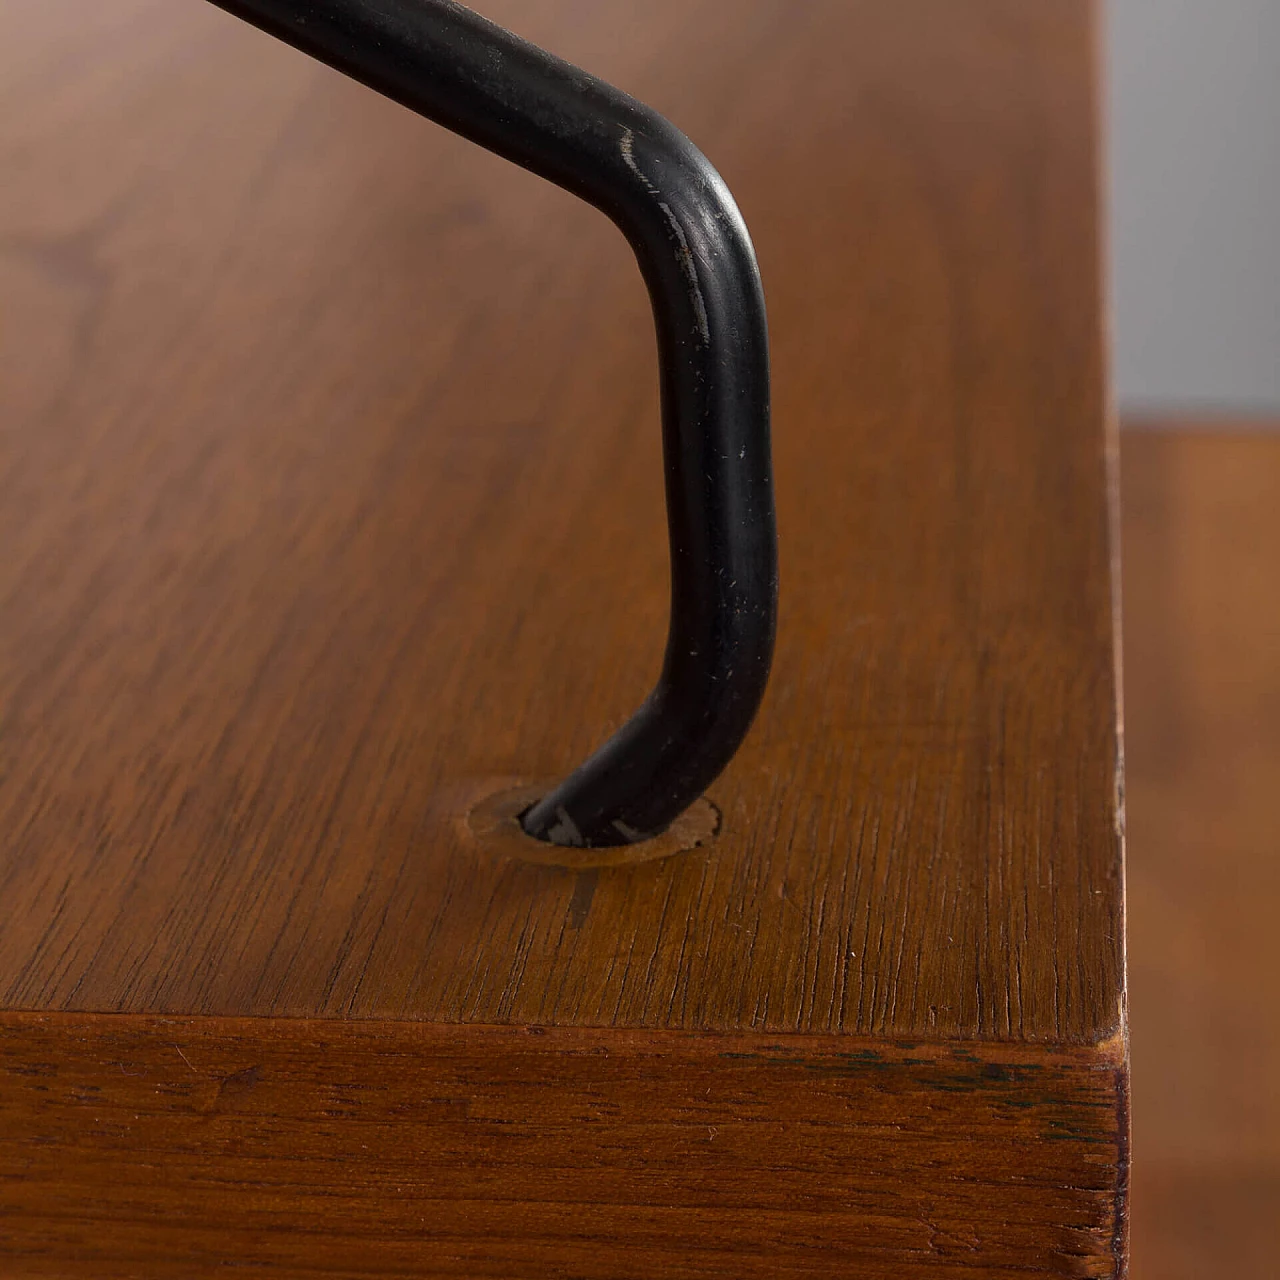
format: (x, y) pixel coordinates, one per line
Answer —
(1202, 678)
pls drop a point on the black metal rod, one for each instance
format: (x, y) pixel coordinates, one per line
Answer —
(475, 78)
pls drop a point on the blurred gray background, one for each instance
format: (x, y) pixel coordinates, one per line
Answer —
(1195, 204)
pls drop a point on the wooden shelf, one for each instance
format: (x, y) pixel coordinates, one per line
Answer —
(332, 491)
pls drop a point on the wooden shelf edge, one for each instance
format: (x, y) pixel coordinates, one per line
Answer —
(178, 1144)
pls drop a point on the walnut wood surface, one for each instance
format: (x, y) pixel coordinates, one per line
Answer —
(1202, 675)
(330, 493)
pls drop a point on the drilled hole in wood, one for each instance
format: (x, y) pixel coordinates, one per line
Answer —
(495, 824)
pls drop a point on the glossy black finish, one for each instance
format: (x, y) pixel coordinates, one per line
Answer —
(481, 81)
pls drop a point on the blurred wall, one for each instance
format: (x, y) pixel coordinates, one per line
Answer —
(1195, 203)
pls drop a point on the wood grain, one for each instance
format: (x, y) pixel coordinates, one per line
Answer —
(1202, 669)
(333, 492)
(330, 490)
(399, 1148)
